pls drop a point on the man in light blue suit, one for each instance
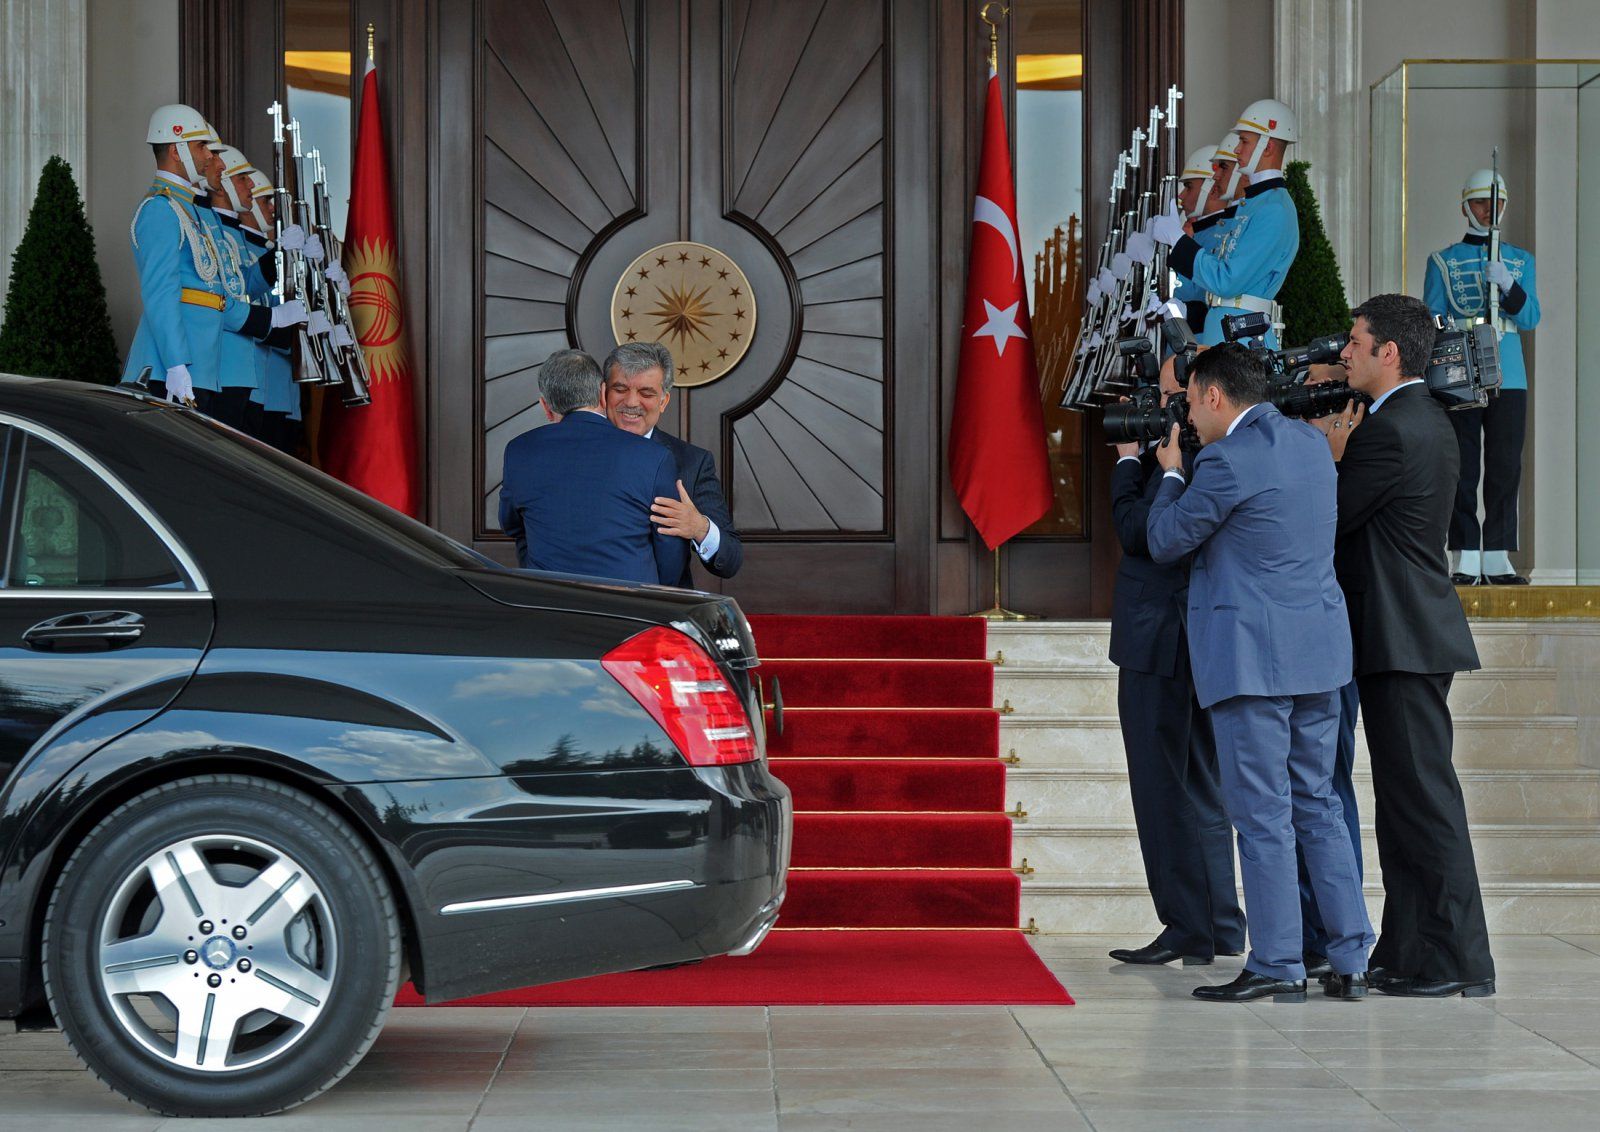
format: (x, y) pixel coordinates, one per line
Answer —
(1269, 640)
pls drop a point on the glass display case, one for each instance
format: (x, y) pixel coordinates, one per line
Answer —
(1432, 123)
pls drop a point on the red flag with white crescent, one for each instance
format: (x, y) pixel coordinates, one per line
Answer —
(374, 447)
(998, 461)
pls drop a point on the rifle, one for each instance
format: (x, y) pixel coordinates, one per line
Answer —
(351, 362)
(1160, 289)
(313, 281)
(290, 266)
(1492, 292)
(1093, 312)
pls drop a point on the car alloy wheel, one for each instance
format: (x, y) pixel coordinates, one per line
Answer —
(224, 943)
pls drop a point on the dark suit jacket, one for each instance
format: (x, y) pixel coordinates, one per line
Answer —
(1147, 603)
(699, 474)
(1396, 483)
(576, 497)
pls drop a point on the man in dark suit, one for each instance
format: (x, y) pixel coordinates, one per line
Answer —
(1269, 641)
(1184, 835)
(1398, 467)
(576, 494)
(638, 389)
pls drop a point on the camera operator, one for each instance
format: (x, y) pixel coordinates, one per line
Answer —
(1269, 642)
(1398, 467)
(1172, 760)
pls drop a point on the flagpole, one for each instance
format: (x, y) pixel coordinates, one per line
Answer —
(997, 612)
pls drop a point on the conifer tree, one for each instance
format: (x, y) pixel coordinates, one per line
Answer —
(1312, 296)
(56, 323)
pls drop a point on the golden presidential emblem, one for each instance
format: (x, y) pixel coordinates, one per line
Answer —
(694, 300)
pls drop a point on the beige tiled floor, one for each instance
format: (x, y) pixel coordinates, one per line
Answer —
(1137, 1053)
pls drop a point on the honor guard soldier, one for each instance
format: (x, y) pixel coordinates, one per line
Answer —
(280, 396)
(245, 274)
(1200, 197)
(186, 301)
(1247, 267)
(1458, 286)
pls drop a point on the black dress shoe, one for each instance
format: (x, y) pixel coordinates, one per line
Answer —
(1505, 580)
(1154, 954)
(1465, 580)
(1349, 987)
(1249, 986)
(1437, 988)
(1317, 966)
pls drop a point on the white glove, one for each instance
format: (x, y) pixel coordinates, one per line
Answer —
(291, 313)
(335, 271)
(342, 335)
(1168, 227)
(1092, 295)
(1096, 340)
(293, 238)
(1499, 274)
(180, 386)
(1155, 305)
(313, 249)
(319, 323)
(1120, 266)
(1141, 248)
(1107, 281)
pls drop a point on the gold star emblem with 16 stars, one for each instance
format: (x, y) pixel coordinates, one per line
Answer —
(694, 300)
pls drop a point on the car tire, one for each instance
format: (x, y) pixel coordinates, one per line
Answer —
(276, 1001)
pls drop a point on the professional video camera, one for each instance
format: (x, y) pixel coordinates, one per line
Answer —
(1142, 418)
(1462, 372)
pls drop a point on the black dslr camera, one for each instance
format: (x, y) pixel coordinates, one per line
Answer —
(1142, 418)
(1463, 370)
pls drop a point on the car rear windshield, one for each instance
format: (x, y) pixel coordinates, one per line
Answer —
(302, 480)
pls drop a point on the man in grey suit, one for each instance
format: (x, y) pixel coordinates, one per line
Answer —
(1270, 644)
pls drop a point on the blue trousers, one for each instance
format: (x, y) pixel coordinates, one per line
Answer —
(1315, 935)
(1276, 756)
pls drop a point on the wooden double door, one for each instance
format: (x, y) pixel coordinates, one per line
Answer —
(789, 136)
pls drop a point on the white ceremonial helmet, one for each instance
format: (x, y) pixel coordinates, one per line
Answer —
(260, 189)
(1271, 119)
(1227, 150)
(1481, 186)
(178, 124)
(233, 164)
(1198, 168)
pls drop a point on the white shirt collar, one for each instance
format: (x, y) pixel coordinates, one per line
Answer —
(173, 178)
(1233, 424)
(1378, 404)
(1262, 176)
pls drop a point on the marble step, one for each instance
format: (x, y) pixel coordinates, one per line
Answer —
(1556, 849)
(1501, 644)
(1054, 796)
(1481, 741)
(1092, 690)
(1061, 902)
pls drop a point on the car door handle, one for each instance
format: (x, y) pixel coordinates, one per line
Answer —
(100, 629)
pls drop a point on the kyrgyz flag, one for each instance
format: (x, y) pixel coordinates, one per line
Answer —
(374, 447)
(998, 462)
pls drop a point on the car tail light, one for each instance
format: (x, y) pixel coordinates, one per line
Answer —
(684, 691)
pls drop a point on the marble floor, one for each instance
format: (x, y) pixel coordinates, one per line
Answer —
(1136, 1053)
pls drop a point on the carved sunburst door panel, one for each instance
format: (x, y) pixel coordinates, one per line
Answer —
(755, 128)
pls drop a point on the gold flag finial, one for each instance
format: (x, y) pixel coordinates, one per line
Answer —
(994, 31)
(371, 33)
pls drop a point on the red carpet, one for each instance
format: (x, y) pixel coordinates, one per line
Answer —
(891, 749)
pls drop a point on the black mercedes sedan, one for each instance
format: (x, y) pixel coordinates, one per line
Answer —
(268, 749)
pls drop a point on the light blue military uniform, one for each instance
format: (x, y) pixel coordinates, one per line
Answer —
(277, 391)
(242, 278)
(1252, 257)
(174, 253)
(1208, 232)
(1454, 288)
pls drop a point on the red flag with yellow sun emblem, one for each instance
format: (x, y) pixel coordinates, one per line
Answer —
(374, 447)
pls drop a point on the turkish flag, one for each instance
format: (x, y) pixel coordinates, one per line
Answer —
(374, 447)
(998, 461)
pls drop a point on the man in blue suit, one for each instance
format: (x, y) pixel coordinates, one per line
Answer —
(576, 494)
(1270, 644)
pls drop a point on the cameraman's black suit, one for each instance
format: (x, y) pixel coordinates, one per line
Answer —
(1397, 483)
(1184, 833)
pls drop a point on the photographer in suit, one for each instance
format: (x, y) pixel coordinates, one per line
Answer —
(638, 389)
(1398, 468)
(1269, 641)
(1172, 761)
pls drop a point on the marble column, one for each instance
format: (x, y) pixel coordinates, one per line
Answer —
(43, 105)
(1317, 62)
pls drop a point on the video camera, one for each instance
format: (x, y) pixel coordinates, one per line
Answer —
(1463, 370)
(1142, 418)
